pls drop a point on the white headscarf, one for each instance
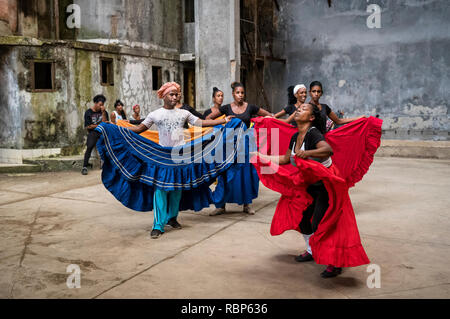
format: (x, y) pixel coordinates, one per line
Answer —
(298, 87)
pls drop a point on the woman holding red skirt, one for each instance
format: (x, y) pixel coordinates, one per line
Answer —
(315, 198)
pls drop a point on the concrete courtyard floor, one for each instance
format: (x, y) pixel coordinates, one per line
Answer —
(51, 220)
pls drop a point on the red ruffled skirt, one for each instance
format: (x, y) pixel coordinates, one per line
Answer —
(336, 240)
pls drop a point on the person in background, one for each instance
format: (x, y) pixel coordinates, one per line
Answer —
(300, 94)
(135, 118)
(119, 112)
(92, 117)
(217, 100)
(244, 111)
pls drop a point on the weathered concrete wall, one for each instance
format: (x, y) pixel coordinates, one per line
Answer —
(149, 24)
(400, 71)
(10, 103)
(56, 119)
(8, 17)
(216, 49)
(149, 34)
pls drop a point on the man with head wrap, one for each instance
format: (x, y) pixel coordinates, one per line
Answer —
(170, 121)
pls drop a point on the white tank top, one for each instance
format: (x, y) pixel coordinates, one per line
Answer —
(118, 116)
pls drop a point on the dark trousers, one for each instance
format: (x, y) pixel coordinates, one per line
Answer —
(315, 212)
(91, 141)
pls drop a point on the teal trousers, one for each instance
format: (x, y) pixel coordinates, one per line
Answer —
(166, 206)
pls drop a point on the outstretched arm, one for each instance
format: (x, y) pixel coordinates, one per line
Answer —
(277, 159)
(138, 129)
(214, 114)
(289, 119)
(280, 114)
(206, 123)
(340, 121)
(263, 112)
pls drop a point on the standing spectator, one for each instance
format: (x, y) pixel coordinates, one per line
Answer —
(92, 117)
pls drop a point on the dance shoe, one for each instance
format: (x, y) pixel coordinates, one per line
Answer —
(304, 257)
(156, 233)
(173, 222)
(331, 272)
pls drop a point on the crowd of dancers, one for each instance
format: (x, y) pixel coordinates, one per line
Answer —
(310, 166)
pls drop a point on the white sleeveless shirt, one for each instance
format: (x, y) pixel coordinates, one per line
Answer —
(118, 116)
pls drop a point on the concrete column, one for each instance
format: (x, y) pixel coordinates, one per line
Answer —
(235, 37)
(217, 50)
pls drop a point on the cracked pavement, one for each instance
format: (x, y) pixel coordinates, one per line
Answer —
(49, 221)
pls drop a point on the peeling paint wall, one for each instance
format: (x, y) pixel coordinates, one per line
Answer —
(400, 71)
(135, 34)
(10, 104)
(56, 119)
(137, 86)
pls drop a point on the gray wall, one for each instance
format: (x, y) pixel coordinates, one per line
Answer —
(400, 71)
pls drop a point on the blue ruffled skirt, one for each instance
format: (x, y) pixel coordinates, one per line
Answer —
(134, 166)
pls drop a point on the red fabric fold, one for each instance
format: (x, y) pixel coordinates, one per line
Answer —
(336, 240)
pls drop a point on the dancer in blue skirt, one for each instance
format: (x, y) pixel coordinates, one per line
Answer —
(170, 121)
(240, 185)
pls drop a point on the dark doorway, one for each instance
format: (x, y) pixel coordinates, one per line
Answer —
(189, 84)
(107, 71)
